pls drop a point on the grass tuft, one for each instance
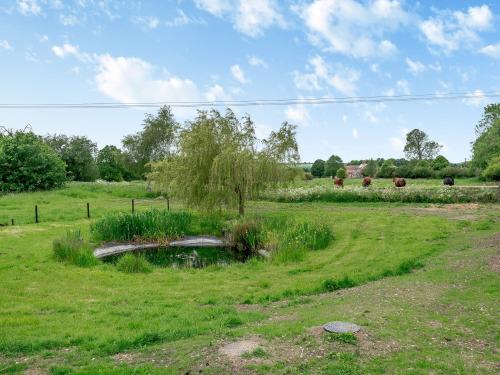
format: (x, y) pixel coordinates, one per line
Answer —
(131, 263)
(72, 249)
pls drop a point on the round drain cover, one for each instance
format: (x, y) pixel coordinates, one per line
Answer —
(341, 327)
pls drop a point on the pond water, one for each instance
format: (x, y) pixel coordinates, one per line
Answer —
(187, 257)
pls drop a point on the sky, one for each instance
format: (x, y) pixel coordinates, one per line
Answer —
(75, 51)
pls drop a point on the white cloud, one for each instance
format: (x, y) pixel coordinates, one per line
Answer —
(453, 30)
(403, 87)
(415, 66)
(68, 19)
(491, 50)
(343, 79)
(255, 61)
(70, 50)
(216, 93)
(297, 113)
(29, 7)
(216, 7)
(344, 119)
(238, 74)
(355, 133)
(248, 17)
(374, 68)
(5, 45)
(476, 99)
(352, 28)
(43, 39)
(397, 144)
(182, 19)
(147, 23)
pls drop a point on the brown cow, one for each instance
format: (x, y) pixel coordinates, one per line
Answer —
(399, 182)
(338, 182)
(366, 181)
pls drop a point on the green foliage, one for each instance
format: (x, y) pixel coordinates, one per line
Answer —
(332, 165)
(418, 146)
(341, 173)
(330, 285)
(131, 263)
(311, 235)
(154, 224)
(487, 144)
(371, 169)
(308, 176)
(110, 163)
(387, 170)
(439, 163)
(318, 168)
(74, 250)
(492, 171)
(343, 338)
(153, 143)
(246, 238)
(218, 164)
(78, 153)
(27, 163)
(256, 353)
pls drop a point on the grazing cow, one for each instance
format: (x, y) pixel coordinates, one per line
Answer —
(448, 180)
(399, 182)
(366, 181)
(338, 182)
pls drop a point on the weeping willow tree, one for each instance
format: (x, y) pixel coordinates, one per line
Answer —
(218, 161)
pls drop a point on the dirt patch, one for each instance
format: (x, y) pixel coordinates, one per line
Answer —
(235, 350)
(35, 371)
(494, 262)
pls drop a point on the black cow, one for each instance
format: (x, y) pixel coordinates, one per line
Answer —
(448, 180)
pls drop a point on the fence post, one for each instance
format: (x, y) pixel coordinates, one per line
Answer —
(12, 221)
(133, 206)
(88, 210)
(168, 204)
(36, 214)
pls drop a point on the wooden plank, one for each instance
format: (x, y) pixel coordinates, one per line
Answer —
(197, 241)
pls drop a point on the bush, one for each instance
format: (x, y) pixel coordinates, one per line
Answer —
(492, 172)
(308, 176)
(110, 164)
(130, 263)
(318, 168)
(455, 172)
(341, 173)
(440, 162)
(387, 170)
(371, 169)
(73, 249)
(151, 225)
(27, 163)
(246, 238)
(332, 165)
(422, 172)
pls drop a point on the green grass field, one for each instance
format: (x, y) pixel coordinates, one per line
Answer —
(442, 318)
(387, 182)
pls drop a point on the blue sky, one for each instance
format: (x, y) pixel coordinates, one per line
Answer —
(57, 51)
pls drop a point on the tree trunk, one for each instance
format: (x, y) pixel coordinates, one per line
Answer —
(241, 206)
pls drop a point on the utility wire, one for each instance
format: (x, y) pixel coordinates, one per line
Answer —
(260, 102)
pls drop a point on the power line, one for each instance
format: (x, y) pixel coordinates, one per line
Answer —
(260, 102)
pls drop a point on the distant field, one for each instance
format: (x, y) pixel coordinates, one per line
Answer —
(387, 182)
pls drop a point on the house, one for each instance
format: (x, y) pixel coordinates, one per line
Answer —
(355, 171)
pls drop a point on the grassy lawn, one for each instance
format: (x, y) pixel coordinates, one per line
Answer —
(387, 182)
(441, 318)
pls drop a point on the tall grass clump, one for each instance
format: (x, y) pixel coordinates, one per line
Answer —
(73, 249)
(130, 263)
(300, 238)
(246, 238)
(150, 225)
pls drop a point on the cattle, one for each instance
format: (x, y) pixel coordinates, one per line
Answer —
(366, 182)
(338, 182)
(448, 180)
(399, 182)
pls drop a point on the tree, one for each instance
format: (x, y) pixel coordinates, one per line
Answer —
(418, 146)
(492, 171)
(78, 153)
(341, 173)
(27, 163)
(388, 169)
(110, 163)
(217, 162)
(332, 164)
(155, 141)
(487, 144)
(371, 168)
(439, 163)
(318, 168)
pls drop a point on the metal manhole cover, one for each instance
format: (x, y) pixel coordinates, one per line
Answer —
(341, 327)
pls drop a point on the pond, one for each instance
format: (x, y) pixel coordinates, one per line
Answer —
(185, 257)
